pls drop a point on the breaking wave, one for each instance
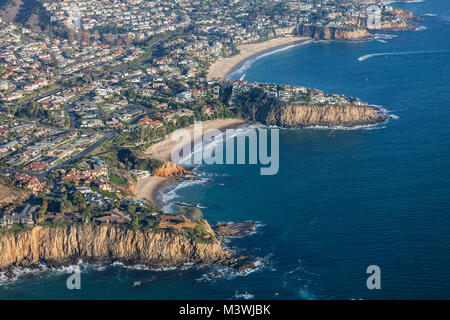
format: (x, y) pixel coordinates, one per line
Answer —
(168, 197)
(243, 296)
(229, 273)
(42, 269)
(372, 55)
(384, 36)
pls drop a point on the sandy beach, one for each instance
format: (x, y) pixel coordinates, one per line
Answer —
(148, 187)
(163, 150)
(221, 68)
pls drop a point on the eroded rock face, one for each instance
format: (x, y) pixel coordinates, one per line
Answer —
(170, 169)
(396, 25)
(403, 13)
(330, 33)
(94, 244)
(359, 30)
(305, 116)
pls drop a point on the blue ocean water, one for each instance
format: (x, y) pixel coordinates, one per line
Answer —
(342, 200)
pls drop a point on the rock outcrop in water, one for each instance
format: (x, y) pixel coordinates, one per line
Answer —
(170, 169)
(235, 229)
(94, 244)
(305, 116)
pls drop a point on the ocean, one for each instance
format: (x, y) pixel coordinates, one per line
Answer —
(343, 199)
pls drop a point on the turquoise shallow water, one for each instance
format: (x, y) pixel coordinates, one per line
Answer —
(342, 200)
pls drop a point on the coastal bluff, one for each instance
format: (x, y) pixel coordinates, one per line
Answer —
(331, 33)
(293, 116)
(63, 246)
(356, 29)
(305, 108)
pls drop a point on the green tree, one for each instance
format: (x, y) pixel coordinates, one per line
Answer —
(131, 209)
(66, 206)
(135, 222)
(86, 214)
(40, 215)
(78, 200)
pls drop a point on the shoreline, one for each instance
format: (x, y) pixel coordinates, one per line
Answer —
(150, 187)
(147, 188)
(220, 69)
(163, 150)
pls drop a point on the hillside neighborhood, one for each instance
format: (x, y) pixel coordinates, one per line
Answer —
(124, 76)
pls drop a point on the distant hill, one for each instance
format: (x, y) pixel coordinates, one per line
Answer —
(27, 13)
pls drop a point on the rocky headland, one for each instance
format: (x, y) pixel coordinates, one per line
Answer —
(357, 29)
(63, 246)
(294, 116)
(256, 106)
(332, 33)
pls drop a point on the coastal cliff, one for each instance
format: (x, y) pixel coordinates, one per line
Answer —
(62, 246)
(356, 28)
(305, 116)
(332, 110)
(331, 33)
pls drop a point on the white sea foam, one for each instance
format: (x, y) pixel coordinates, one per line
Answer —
(368, 56)
(305, 294)
(384, 36)
(171, 195)
(342, 128)
(187, 265)
(18, 273)
(420, 28)
(100, 268)
(245, 295)
(141, 267)
(42, 269)
(229, 273)
(209, 146)
(226, 273)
